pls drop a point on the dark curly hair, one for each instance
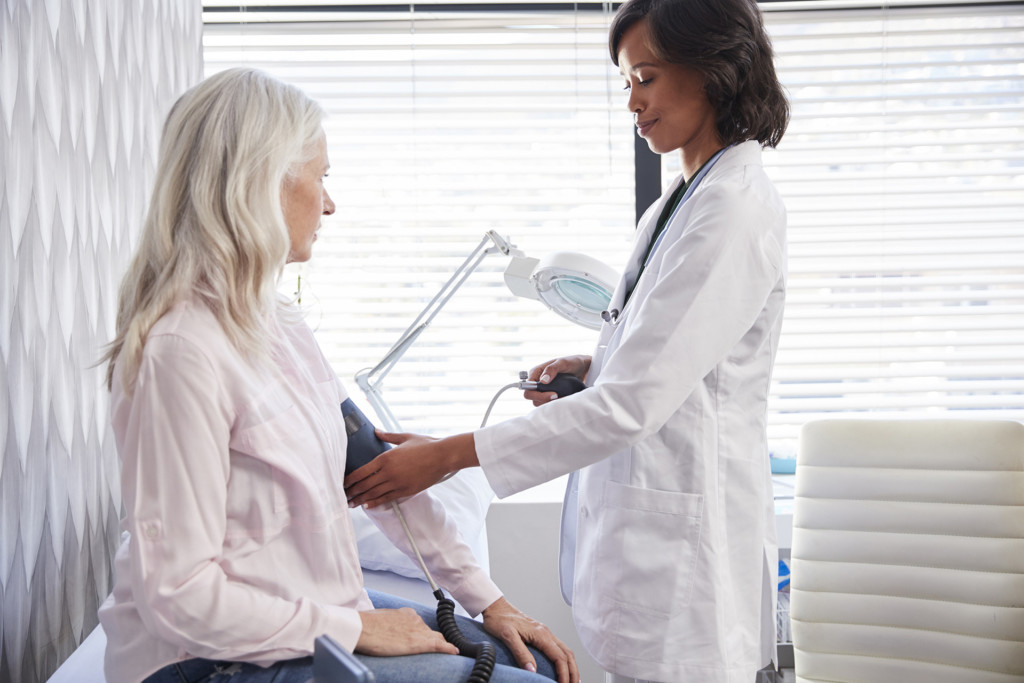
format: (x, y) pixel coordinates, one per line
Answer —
(726, 42)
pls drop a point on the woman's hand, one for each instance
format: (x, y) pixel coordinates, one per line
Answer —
(392, 632)
(545, 372)
(416, 463)
(517, 630)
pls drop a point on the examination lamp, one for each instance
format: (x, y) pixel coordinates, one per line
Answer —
(575, 286)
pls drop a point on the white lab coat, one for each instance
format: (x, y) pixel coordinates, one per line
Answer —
(675, 553)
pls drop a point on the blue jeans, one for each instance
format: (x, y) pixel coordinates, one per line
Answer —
(426, 668)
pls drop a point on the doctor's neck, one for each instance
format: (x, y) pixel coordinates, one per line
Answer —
(697, 151)
(692, 163)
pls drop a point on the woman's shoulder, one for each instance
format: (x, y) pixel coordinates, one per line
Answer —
(739, 180)
(190, 319)
(739, 165)
(189, 340)
(189, 326)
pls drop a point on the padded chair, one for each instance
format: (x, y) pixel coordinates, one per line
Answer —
(908, 552)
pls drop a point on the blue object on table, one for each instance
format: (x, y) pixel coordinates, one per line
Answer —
(783, 574)
(783, 465)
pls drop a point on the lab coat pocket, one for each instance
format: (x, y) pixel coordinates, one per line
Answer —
(650, 540)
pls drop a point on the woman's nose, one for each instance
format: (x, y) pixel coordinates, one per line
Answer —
(633, 103)
(328, 204)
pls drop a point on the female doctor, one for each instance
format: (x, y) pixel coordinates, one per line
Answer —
(668, 549)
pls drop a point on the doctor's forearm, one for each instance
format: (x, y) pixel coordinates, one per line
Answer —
(415, 464)
(458, 452)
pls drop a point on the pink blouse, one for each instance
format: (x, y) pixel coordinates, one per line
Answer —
(238, 543)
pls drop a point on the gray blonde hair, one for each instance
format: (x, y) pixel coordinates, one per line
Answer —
(215, 227)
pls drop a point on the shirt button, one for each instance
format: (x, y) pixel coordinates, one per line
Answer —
(152, 531)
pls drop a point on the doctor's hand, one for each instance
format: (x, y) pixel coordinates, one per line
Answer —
(516, 630)
(545, 372)
(393, 632)
(416, 463)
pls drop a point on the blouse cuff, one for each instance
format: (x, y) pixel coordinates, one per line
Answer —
(477, 592)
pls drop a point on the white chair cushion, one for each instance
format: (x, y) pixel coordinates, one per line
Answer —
(908, 552)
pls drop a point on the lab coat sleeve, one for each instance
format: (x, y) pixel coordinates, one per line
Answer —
(715, 276)
(175, 454)
(449, 558)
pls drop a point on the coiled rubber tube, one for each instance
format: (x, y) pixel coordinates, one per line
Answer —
(484, 653)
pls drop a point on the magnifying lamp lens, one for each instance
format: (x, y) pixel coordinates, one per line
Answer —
(573, 285)
(584, 294)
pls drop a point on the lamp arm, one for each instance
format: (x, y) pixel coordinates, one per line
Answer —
(370, 380)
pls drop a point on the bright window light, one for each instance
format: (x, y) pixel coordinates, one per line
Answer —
(902, 171)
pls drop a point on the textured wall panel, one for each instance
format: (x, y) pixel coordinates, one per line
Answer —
(84, 88)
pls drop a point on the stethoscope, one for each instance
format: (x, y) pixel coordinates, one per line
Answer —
(612, 316)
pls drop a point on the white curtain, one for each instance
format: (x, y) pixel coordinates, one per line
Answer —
(84, 88)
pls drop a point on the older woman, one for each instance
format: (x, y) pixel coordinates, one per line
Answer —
(240, 549)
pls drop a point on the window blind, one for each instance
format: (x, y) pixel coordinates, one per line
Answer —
(444, 123)
(903, 177)
(902, 171)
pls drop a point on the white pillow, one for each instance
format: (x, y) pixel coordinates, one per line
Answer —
(465, 497)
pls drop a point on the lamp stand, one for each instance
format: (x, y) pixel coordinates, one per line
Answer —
(370, 380)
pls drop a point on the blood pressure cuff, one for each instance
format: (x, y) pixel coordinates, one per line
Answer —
(363, 444)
